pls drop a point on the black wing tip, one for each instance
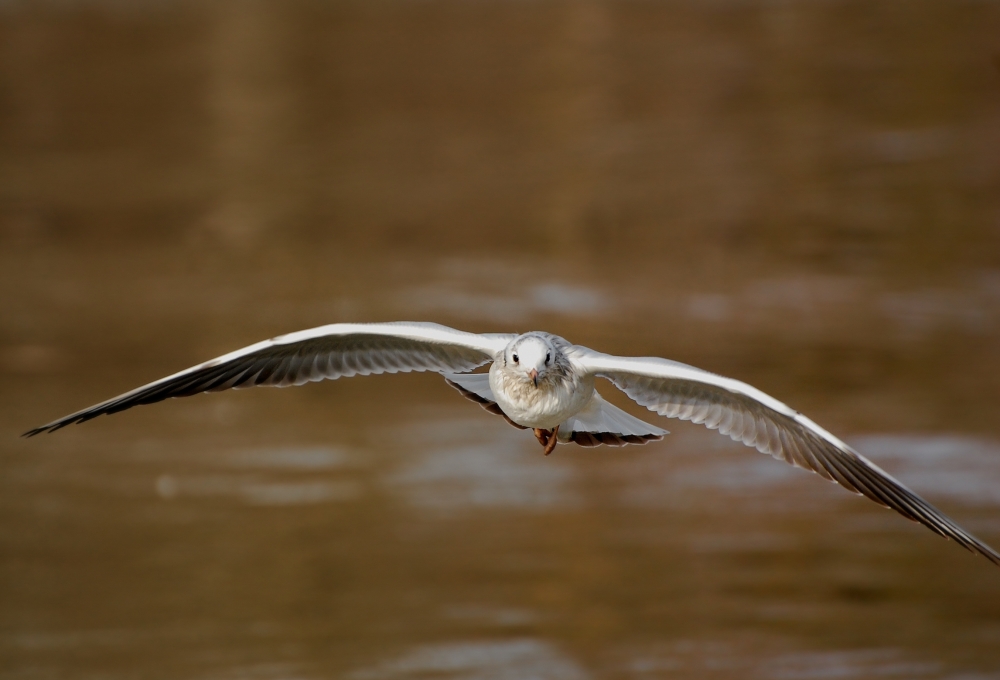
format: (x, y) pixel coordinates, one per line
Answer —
(50, 427)
(592, 439)
(946, 528)
(988, 554)
(977, 547)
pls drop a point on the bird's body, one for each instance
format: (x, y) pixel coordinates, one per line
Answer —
(542, 382)
(560, 391)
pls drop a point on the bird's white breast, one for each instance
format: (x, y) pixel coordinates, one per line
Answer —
(544, 406)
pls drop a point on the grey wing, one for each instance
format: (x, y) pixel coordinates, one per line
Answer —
(476, 387)
(748, 415)
(602, 423)
(327, 352)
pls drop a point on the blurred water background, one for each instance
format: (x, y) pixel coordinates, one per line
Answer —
(803, 195)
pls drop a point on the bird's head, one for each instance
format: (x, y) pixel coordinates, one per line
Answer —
(533, 358)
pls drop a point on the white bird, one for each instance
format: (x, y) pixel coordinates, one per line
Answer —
(540, 381)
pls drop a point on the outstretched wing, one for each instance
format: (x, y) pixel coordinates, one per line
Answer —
(748, 415)
(327, 352)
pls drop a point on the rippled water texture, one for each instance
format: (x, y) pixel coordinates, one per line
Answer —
(805, 196)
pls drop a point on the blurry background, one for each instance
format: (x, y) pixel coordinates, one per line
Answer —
(801, 195)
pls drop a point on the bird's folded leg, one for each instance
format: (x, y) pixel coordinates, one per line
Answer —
(542, 436)
(553, 439)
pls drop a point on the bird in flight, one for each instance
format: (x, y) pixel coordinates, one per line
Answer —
(541, 382)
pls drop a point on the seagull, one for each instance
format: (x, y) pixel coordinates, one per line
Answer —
(542, 382)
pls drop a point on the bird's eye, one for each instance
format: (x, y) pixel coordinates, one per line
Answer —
(548, 357)
(515, 358)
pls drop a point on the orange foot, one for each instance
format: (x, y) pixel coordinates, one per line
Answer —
(542, 436)
(553, 439)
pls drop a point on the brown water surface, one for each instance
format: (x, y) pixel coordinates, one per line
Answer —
(805, 196)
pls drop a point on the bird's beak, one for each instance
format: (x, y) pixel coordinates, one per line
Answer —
(533, 374)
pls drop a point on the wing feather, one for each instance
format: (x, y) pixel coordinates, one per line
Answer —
(327, 352)
(746, 414)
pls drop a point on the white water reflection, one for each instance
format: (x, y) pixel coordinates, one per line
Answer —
(304, 459)
(255, 491)
(686, 659)
(508, 307)
(961, 468)
(827, 301)
(701, 463)
(921, 311)
(500, 660)
(566, 299)
(709, 307)
(263, 476)
(301, 493)
(501, 617)
(482, 466)
(905, 145)
(266, 671)
(812, 297)
(860, 663)
(750, 475)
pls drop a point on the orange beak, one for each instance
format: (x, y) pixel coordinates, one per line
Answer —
(533, 374)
